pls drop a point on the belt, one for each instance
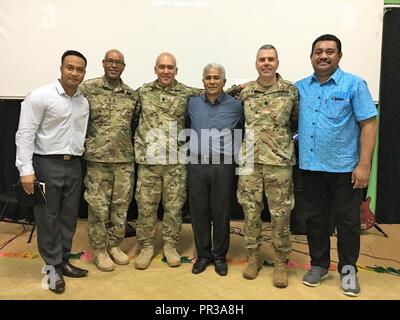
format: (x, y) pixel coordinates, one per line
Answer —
(211, 159)
(65, 157)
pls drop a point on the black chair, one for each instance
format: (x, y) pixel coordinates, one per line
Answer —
(129, 231)
(7, 199)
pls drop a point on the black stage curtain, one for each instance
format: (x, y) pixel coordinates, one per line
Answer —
(9, 118)
(388, 188)
(8, 125)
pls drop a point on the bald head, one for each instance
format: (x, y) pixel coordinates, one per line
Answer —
(166, 69)
(114, 52)
(166, 55)
(114, 65)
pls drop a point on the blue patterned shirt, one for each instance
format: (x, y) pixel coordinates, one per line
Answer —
(329, 133)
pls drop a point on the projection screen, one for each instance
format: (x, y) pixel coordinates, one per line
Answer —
(34, 34)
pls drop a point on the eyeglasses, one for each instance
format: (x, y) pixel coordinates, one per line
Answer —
(110, 62)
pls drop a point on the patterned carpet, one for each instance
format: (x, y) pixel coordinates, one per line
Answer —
(21, 278)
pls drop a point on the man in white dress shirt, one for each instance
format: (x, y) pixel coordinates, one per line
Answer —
(50, 141)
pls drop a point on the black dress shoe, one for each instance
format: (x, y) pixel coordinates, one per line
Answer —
(57, 284)
(69, 270)
(221, 267)
(200, 265)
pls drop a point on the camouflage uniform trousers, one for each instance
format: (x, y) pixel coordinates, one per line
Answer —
(155, 182)
(109, 190)
(277, 183)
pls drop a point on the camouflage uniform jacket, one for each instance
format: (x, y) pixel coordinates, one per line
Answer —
(270, 112)
(163, 110)
(109, 134)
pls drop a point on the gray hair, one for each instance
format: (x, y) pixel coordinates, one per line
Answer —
(268, 47)
(214, 66)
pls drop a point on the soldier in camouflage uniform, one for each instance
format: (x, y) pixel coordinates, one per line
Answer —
(110, 160)
(160, 174)
(270, 106)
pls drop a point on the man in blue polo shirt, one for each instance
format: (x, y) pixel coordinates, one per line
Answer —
(213, 117)
(337, 131)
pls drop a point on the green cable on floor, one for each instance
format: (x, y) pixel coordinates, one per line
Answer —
(388, 270)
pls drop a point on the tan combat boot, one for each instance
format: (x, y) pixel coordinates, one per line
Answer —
(103, 261)
(280, 278)
(143, 260)
(170, 253)
(118, 256)
(254, 264)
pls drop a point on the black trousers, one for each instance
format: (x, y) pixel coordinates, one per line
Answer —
(56, 220)
(332, 194)
(211, 189)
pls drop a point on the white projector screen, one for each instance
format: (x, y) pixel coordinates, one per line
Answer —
(34, 34)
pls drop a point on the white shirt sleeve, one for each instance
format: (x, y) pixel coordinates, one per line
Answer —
(31, 116)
